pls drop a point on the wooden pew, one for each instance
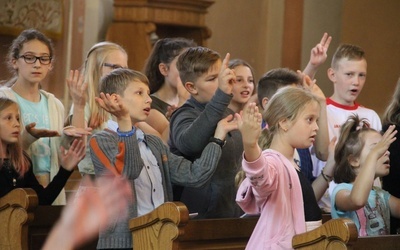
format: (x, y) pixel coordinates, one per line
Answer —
(169, 227)
(16, 212)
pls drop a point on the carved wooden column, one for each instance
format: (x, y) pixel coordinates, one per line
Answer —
(138, 23)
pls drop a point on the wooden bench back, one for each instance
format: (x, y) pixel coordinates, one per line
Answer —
(169, 227)
(16, 212)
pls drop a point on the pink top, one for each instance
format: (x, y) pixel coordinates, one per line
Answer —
(272, 188)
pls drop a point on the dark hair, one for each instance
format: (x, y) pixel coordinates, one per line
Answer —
(350, 144)
(349, 51)
(275, 79)
(194, 62)
(26, 36)
(164, 51)
(117, 80)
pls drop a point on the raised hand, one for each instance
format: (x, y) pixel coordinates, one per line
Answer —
(113, 105)
(104, 203)
(71, 157)
(224, 126)
(249, 123)
(226, 77)
(76, 132)
(77, 88)
(319, 52)
(40, 132)
(382, 146)
(312, 86)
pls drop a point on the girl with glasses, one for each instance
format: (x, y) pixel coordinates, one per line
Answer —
(30, 58)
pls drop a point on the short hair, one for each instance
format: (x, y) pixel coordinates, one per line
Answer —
(194, 62)
(118, 80)
(348, 51)
(164, 51)
(275, 79)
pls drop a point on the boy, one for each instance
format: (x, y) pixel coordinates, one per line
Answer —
(142, 159)
(191, 128)
(348, 73)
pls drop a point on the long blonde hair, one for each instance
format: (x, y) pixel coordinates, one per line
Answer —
(92, 72)
(14, 151)
(286, 103)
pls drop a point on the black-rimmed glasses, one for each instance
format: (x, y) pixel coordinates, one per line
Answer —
(113, 66)
(31, 59)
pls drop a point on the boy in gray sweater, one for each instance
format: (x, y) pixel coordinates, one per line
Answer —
(209, 82)
(142, 159)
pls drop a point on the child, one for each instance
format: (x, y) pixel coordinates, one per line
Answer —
(100, 60)
(244, 87)
(143, 159)
(166, 88)
(16, 167)
(274, 185)
(391, 181)
(277, 78)
(348, 73)
(31, 57)
(192, 127)
(361, 156)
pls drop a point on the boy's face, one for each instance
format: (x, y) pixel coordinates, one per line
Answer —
(348, 78)
(205, 86)
(136, 99)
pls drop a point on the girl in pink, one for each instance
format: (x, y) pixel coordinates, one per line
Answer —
(274, 187)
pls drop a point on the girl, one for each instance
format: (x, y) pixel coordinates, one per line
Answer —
(101, 59)
(274, 185)
(244, 87)
(16, 167)
(362, 156)
(31, 58)
(166, 88)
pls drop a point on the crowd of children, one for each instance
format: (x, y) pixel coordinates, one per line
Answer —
(200, 129)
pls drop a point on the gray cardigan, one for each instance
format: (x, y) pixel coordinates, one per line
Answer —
(107, 148)
(191, 127)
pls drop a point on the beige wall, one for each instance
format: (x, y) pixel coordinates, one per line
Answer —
(377, 32)
(252, 30)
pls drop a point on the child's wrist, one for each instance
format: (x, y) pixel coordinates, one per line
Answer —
(126, 133)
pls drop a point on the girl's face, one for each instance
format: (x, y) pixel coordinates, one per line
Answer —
(302, 131)
(114, 60)
(244, 86)
(371, 138)
(9, 125)
(32, 72)
(172, 77)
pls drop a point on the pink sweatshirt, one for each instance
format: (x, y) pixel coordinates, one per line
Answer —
(272, 189)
